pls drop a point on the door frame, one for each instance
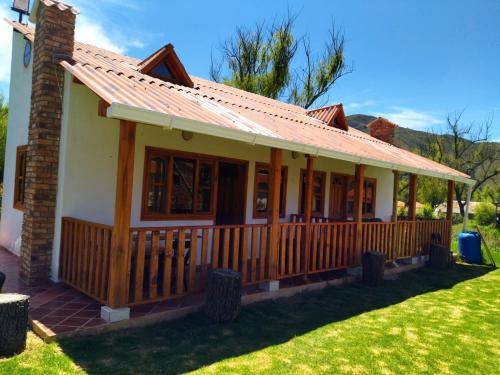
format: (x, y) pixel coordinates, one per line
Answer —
(244, 164)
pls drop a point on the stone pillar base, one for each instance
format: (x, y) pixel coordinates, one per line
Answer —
(270, 286)
(114, 315)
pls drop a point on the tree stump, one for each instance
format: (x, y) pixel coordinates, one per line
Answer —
(13, 323)
(440, 257)
(373, 268)
(223, 298)
(2, 280)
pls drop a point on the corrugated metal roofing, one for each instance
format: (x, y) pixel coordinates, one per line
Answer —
(116, 79)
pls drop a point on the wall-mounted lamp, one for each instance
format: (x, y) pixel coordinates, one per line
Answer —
(21, 7)
(187, 136)
(295, 155)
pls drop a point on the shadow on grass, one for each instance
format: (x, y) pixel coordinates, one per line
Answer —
(193, 342)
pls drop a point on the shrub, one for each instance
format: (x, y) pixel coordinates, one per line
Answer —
(402, 212)
(485, 214)
(426, 212)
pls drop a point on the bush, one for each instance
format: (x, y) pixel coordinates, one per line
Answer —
(402, 212)
(485, 214)
(426, 212)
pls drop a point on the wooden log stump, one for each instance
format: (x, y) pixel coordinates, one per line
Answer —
(373, 268)
(223, 298)
(13, 323)
(440, 257)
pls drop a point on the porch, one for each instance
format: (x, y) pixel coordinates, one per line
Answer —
(166, 263)
(178, 214)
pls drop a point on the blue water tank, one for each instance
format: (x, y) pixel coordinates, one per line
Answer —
(469, 247)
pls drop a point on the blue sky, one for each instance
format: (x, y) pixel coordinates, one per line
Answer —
(414, 61)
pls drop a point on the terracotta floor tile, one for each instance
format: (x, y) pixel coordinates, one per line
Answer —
(64, 312)
(95, 322)
(75, 322)
(87, 314)
(52, 319)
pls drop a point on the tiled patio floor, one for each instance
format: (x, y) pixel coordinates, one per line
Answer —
(56, 308)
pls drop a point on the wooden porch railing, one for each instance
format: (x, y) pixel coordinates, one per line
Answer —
(380, 237)
(333, 246)
(167, 262)
(291, 250)
(84, 259)
(171, 261)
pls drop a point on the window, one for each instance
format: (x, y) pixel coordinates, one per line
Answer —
(20, 178)
(261, 190)
(318, 199)
(369, 193)
(177, 184)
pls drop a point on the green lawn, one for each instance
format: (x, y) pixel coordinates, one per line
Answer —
(425, 322)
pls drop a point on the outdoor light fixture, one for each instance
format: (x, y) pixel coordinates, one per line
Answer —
(187, 135)
(21, 7)
(295, 155)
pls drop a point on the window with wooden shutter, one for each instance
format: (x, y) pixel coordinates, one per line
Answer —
(20, 177)
(318, 198)
(261, 190)
(178, 185)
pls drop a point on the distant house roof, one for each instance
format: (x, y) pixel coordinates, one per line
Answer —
(217, 109)
(456, 209)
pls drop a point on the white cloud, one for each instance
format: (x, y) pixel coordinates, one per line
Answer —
(93, 33)
(365, 103)
(6, 41)
(410, 118)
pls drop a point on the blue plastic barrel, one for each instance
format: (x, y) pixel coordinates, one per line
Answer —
(469, 247)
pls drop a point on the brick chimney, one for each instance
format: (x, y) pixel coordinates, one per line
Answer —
(382, 129)
(54, 42)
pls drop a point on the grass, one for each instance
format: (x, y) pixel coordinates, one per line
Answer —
(425, 322)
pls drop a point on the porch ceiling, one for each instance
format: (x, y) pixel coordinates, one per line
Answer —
(219, 110)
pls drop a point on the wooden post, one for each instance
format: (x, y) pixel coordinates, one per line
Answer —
(395, 196)
(449, 202)
(359, 183)
(412, 198)
(308, 212)
(412, 211)
(395, 191)
(449, 209)
(273, 209)
(120, 249)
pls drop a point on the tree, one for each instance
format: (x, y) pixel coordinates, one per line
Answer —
(261, 60)
(4, 114)
(431, 190)
(467, 148)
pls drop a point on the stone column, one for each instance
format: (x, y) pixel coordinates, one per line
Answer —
(54, 42)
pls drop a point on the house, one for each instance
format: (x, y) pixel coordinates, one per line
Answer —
(130, 179)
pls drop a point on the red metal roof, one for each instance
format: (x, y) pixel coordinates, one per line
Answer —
(117, 79)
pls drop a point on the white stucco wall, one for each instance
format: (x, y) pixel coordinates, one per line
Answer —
(17, 135)
(88, 163)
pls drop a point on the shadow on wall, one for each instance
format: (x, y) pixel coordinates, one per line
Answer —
(193, 342)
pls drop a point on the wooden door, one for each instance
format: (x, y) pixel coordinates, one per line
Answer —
(231, 194)
(338, 197)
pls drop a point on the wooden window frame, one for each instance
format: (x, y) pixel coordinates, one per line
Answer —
(21, 151)
(263, 215)
(170, 155)
(303, 173)
(347, 177)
